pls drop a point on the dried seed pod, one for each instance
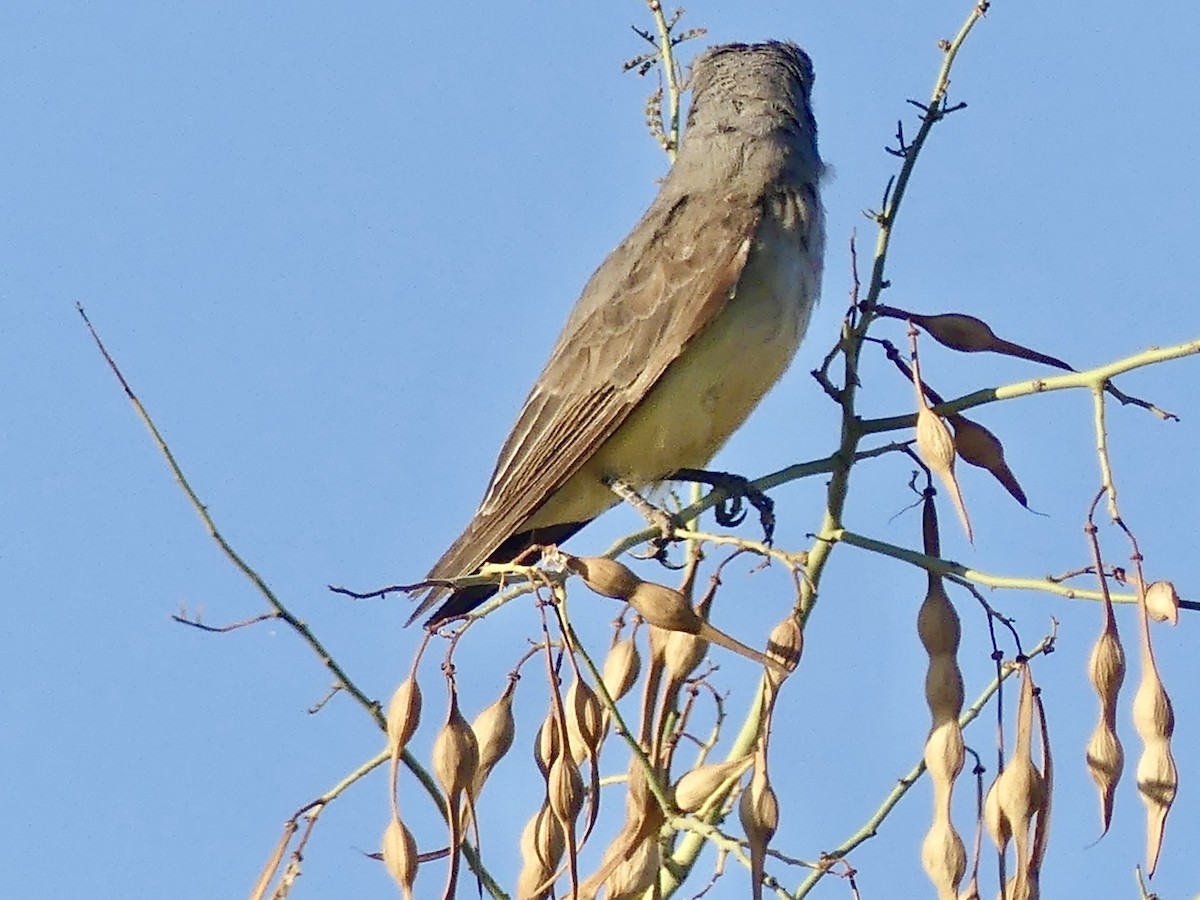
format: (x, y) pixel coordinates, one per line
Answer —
(979, 447)
(1105, 756)
(682, 653)
(971, 891)
(621, 668)
(1157, 777)
(758, 811)
(1106, 665)
(937, 621)
(643, 820)
(942, 852)
(944, 753)
(547, 745)
(944, 688)
(455, 752)
(564, 789)
(584, 719)
(665, 607)
(455, 760)
(542, 845)
(403, 714)
(702, 783)
(1105, 762)
(605, 576)
(1162, 602)
(957, 331)
(940, 631)
(495, 729)
(1018, 792)
(400, 855)
(968, 334)
(936, 448)
(785, 645)
(631, 877)
(944, 858)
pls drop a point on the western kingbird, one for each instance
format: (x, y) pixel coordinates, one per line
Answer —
(680, 331)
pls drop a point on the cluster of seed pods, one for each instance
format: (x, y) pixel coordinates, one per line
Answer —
(1017, 808)
(942, 852)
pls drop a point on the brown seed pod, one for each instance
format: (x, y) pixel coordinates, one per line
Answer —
(621, 668)
(1162, 602)
(665, 607)
(564, 789)
(944, 858)
(1157, 777)
(1106, 667)
(632, 877)
(703, 783)
(758, 811)
(495, 729)
(1019, 792)
(944, 753)
(455, 760)
(455, 752)
(937, 621)
(1105, 762)
(542, 845)
(547, 745)
(682, 653)
(584, 718)
(403, 716)
(944, 688)
(403, 713)
(979, 447)
(605, 576)
(936, 447)
(957, 331)
(785, 645)
(400, 856)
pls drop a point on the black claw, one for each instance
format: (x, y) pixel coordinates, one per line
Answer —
(731, 511)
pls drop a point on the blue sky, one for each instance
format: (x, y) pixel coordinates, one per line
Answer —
(331, 247)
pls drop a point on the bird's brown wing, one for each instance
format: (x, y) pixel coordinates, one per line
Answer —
(654, 293)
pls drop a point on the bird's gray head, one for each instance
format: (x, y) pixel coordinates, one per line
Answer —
(751, 88)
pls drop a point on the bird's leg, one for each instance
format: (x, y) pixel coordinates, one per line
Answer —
(730, 511)
(657, 517)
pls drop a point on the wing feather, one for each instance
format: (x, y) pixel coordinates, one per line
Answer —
(659, 289)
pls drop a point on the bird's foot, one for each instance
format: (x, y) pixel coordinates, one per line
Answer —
(659, 518)
(731, 511)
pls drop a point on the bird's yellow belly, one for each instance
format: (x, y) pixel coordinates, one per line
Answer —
(702, 397)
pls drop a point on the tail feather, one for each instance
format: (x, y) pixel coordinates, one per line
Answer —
(461, 602)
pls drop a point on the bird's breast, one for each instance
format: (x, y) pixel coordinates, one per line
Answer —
(717, 380)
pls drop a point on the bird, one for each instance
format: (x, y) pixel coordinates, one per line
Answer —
(680, 331)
